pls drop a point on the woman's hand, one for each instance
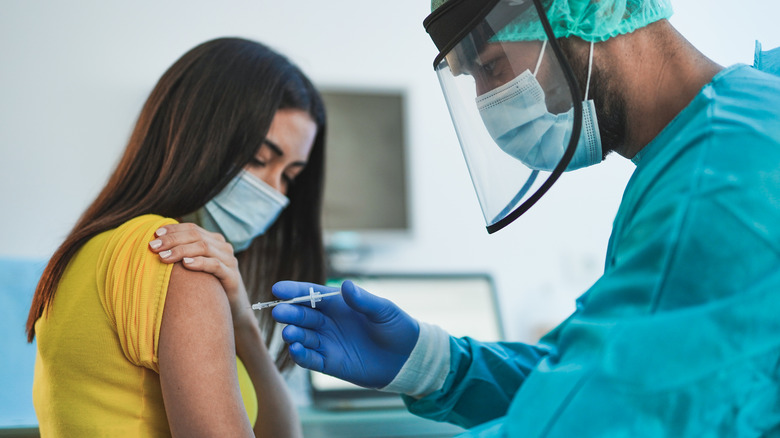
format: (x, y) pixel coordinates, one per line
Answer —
(201, 250)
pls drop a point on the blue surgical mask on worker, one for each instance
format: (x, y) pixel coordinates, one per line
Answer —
(516, 116)
(242, 211)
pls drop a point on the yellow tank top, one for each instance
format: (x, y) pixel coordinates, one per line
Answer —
(96, 370)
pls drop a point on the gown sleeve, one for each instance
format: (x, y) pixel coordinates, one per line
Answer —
(481, 382)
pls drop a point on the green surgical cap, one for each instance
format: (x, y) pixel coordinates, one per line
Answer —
(591, 20)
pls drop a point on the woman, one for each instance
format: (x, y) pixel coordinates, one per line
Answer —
(130, 341)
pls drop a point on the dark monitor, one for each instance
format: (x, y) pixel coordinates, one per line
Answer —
(366, 173)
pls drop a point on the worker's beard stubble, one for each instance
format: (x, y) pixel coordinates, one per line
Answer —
(610, 105)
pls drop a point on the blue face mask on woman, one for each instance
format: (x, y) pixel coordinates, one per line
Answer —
(515, 114)
(243, 210)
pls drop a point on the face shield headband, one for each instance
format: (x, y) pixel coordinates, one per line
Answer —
(458, 19)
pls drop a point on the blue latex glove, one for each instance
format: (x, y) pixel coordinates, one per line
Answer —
(355, 336)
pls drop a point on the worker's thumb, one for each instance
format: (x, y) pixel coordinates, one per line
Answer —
(376, 309)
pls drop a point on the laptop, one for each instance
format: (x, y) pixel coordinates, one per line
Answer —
(461, 304)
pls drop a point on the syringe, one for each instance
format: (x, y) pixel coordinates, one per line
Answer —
(313, 298)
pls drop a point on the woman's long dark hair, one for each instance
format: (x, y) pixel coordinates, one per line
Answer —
(202, 123)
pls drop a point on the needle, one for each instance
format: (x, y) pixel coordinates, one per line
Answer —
(313, 298)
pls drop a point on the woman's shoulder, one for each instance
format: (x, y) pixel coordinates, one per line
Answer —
(132, 284)
(133, 235)
(141, 225)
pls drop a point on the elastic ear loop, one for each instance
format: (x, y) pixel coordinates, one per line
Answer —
(590, 70)
(541, 55)
(590, 65)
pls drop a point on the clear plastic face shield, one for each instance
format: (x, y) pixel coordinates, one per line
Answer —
(513, 100)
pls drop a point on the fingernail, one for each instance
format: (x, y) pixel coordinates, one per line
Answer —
(188, 260)
(156, 243)
(161, 232)
(165, 254)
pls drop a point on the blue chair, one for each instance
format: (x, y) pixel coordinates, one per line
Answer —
(18, 279)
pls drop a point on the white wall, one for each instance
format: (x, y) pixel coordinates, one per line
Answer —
(74, 75)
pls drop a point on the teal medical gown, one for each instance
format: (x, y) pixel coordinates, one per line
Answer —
(680, 337)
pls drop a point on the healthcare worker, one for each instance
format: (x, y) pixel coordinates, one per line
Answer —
(680, 336)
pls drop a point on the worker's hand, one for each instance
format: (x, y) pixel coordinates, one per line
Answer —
(201, 250)
(357, 336)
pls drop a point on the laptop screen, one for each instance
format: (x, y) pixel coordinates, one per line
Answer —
(461, 304)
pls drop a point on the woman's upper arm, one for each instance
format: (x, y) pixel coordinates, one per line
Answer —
(197, 359)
